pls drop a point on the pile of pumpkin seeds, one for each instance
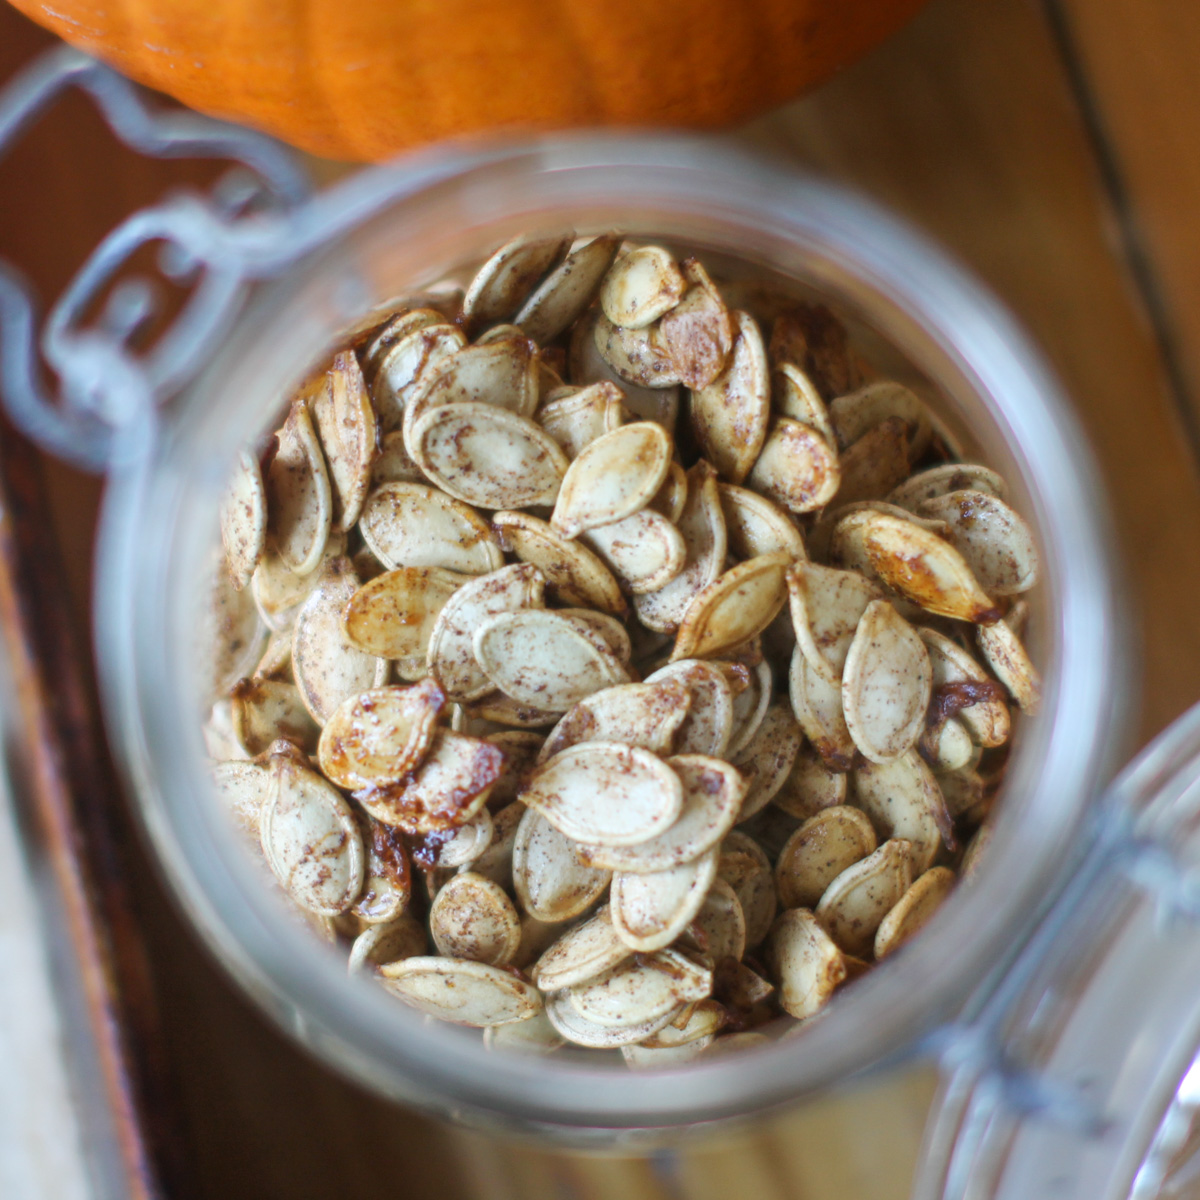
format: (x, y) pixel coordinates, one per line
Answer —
(601, 672)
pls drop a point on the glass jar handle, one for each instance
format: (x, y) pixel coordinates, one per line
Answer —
(211, 245)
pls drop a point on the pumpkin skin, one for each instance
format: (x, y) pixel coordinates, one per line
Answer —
(362, 79)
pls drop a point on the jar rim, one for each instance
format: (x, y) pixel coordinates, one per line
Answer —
(948, 324)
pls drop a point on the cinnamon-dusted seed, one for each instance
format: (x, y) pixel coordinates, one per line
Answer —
(737, 607)
(541, 658)
(743, 865)
(393, 942)
(502, 284)
(379, 736)
(582, 953)
(903, 800)
(635, 355)
(407, 367)
(856, 901)
(887, 684)
(241, 788)
(750, 702)
(574, 575)
(299, 502)
(819, 851)
(856, 413)
(913, 909)
(613, 477)
(949, 477)
(640, 989)
(549, 874)
(817, 704)
(767, 758)
(487, 456)
(345, 426)
(229, 635)
(875, 463)
(672, 496)
(643, 795)
(635, 714)
(807, 963)
(730, 415)
(793, 395)
(567, 290)
(650, 911)
(796, 467)
(463, 992)
(414, 525)
(708, 720)
(387, 875)
(993, 539)
(697, 334)
(582, 415)
(718, 930)
(471, 917)
(244, 520)
(579, 1030)
(702, 527)
(811, 786)
(826, 606)
(754, 525)
(641, 286)
(265, 710)
(1007, 657)
(394, 614)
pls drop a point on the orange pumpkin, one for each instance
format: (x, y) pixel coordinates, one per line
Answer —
(361, 79)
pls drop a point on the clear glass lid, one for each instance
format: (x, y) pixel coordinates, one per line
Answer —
(1082, 1080)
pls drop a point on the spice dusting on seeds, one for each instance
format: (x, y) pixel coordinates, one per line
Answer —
(621, 667)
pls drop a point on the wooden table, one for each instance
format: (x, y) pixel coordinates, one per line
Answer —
(1056, 149)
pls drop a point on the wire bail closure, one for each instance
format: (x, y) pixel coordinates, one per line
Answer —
(213, 245)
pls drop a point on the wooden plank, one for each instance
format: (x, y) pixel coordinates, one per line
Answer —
(1134, 66)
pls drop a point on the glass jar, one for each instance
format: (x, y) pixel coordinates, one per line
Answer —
(387, 232)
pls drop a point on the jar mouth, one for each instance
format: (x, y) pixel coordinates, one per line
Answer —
(404, 224)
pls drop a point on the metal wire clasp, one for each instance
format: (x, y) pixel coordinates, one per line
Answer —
(109, 390)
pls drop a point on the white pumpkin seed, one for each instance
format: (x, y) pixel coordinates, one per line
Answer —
(586, 365)
(793, 395)
(407, 368)
(471, 917)
(948, 746)
(767, 758)
(488, 456)
(567, 290)
(876, 463)
(887, 684)
(551, 879)
(299, 502)
(811, 786)
(635, 355)
(448, 788)
(521, 748)
(641, 285)
(730, 415)
(640, 990)
(378, 737)
(925, 569)
(534, 1035)
(650, 911)
(643, 1057)
(856, 902)
(702, 528)
(582, 953)
(279, 591)
(745, 867)
(949, 477)
(451, 655)
(379, 944)
(574, 575)
(607, 793)
(413, 525)
(855, 413)
(503, 282)
(735, 608)
(394, 614)
(499, 709)
(228, 637)
(1007, 657)
(796, 467)
(635, 714)
(672, 496)
(495, 862)
(708, 720)
(805, 960)
(817, 704)
(267, 709)
(345, 425)
(242, 787)
(542, 659)
(697, 334)
(381, 340)
(244, 520)
(827, 606)
(310, 839)
(913, 910)
(819, 851)
(576, 420)
(719, 928)
(756, 526)
(327, 666)
(750, 704)
(703, 1019)
(712, 800)
(460, 991)
(582, 1032)
(903, 800)
(613, 477)
(965, 796)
